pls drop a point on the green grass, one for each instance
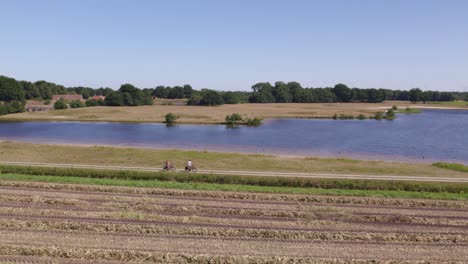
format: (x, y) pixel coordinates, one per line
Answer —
(453, 103)
(135, 157)
(232, 187)
(451, 166)
(409, 111)
(260, 181)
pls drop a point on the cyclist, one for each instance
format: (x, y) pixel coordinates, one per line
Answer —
(189, 165)
(168, 165)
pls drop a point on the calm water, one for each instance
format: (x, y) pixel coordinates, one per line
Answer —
(433, 135)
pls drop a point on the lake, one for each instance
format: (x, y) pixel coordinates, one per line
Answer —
(434, 135)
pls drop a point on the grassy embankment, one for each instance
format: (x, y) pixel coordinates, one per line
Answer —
(26, 152)
(409, 111)
(463, 104)
(109, 156)
(310, 186)
(209, 115)
(451, 166)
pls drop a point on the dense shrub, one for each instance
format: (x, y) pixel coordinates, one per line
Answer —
(253, 121)
(342, 117)
(390, 115)
(195, 99)
(114, 99)
(12, 107)
(361, 117)
(60, 104)
(170, 118)
(212, 98)
(233, 119)
(231, 98)
(92, 102)
(77, 104)
(379, 116)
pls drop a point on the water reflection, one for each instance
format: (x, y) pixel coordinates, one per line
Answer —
(433, 135)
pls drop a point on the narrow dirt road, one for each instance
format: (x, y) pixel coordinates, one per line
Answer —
(260, 173)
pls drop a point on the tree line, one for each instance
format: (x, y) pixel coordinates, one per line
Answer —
(13, 94)
(293, 92)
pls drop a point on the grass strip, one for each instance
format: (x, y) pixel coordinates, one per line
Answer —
(433, 187)
(409, 111)
(232, 187)
(451, 166)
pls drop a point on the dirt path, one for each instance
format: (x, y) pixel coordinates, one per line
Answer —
(258, 173)
(48, 223)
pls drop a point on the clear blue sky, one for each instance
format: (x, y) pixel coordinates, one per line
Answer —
(232, 44)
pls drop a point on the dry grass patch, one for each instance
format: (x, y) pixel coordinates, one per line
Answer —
(154, 158)
(210, 115)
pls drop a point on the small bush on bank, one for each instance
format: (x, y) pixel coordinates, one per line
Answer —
(390, 115)
(361, 117)
(343, 117)
(233, 119)
(394, 108)
(410, 111)
(253, 122)
(60, 104)
(378, 116)
(170, 118)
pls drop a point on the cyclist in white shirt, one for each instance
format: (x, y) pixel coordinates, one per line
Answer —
(189, 165)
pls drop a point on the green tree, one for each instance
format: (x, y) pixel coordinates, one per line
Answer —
(374, 96)
(60, 104)
(296, 91)
(342, 92)
(176, 92)
(212, 98)
(282, 93)
(77, 104)
(91, 103)
(30, 89)
(262, 93)
(231, 98)
(128, 99)
(195, 99)
(114, 99)
(10, 90)
(187, 91)
(161, 92)
(415, 95)
(325, 95)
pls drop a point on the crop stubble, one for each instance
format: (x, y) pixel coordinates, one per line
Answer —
(55, 222)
